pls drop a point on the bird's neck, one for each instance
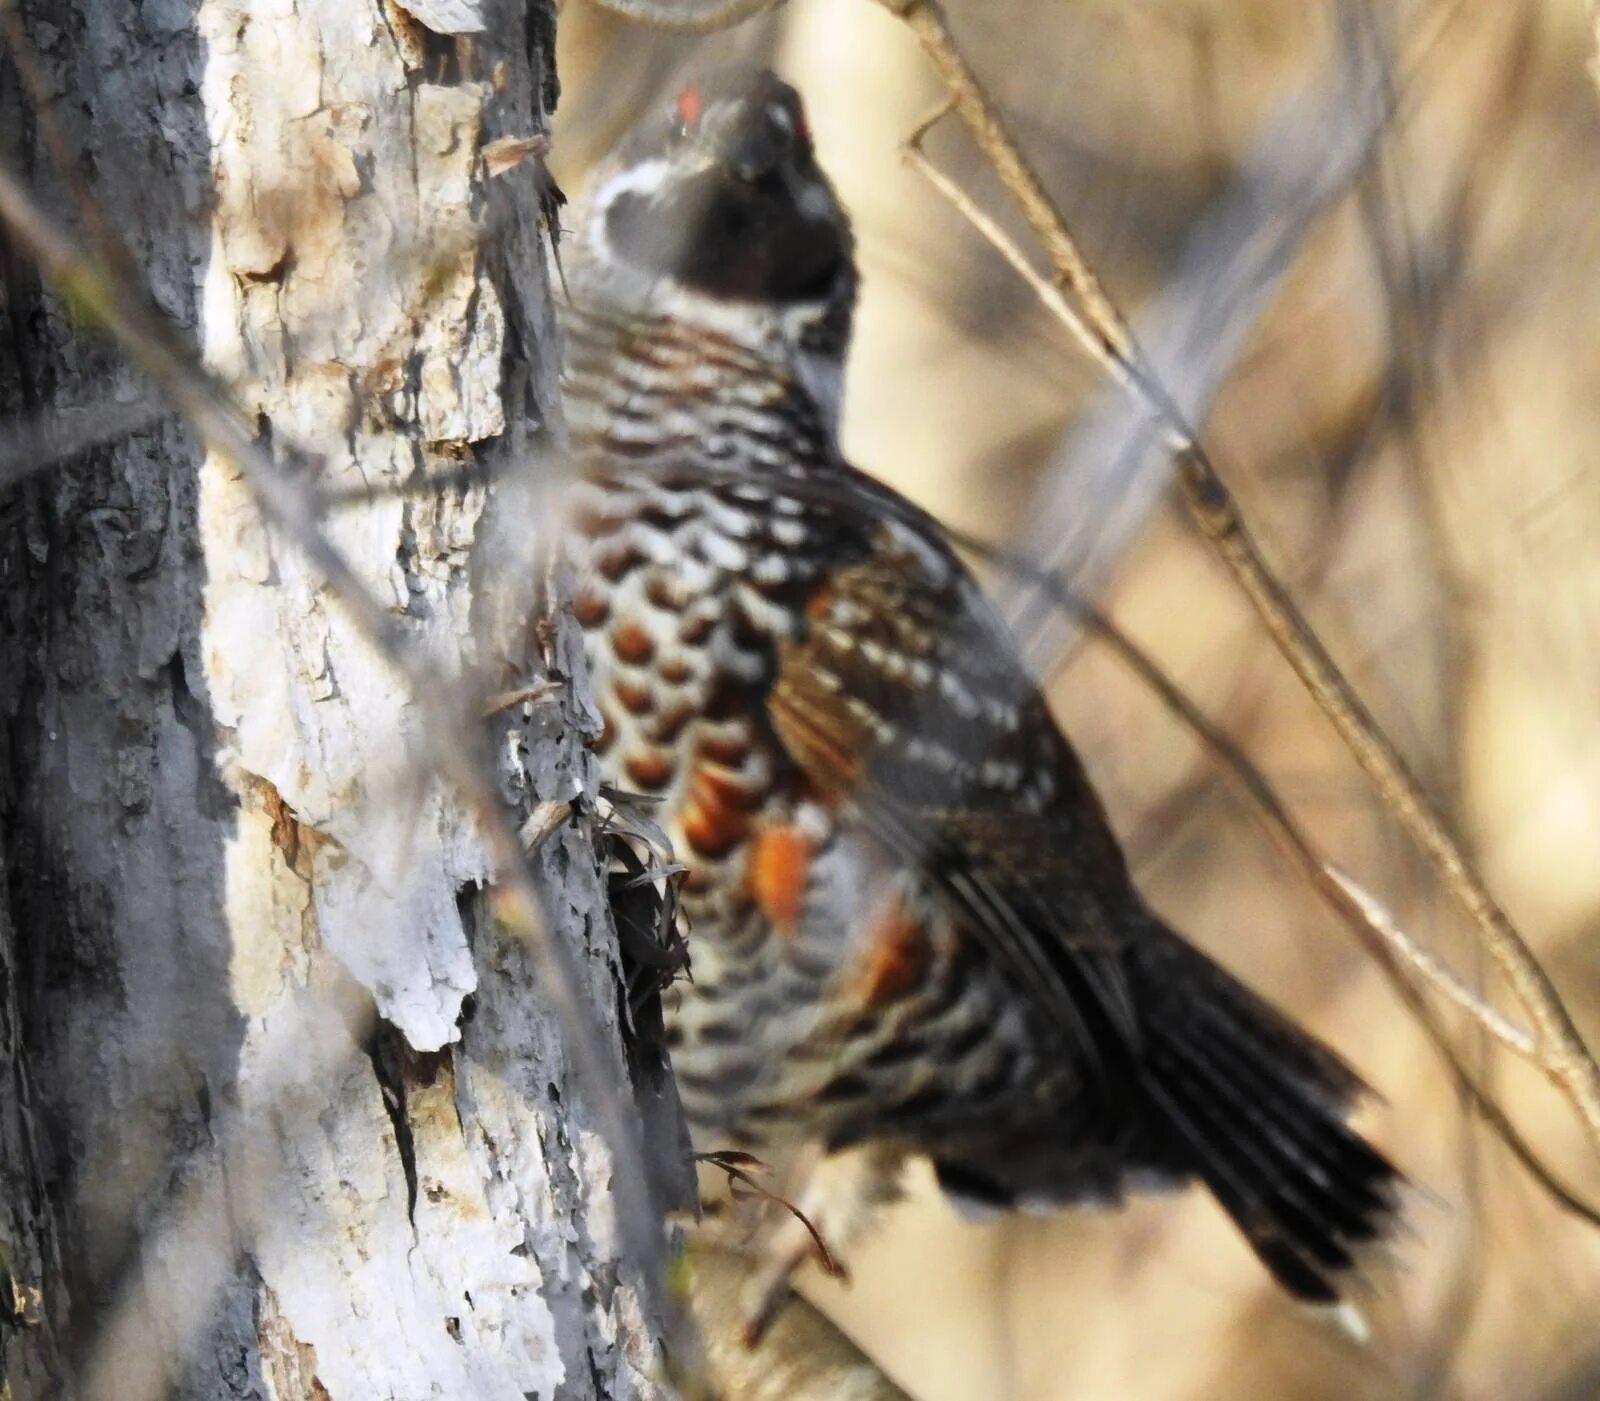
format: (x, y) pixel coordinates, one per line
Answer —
(647, 385)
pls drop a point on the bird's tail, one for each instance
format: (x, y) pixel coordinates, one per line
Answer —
(1256, 1109)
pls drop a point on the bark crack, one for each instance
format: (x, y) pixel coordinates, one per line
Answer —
(389, 1051)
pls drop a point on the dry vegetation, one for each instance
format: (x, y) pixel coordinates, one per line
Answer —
(1406, 411)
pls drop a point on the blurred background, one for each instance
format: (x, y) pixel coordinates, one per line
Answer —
(1360, 241)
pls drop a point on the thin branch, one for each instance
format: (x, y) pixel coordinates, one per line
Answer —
(288, 500)
(741, 1169)
(34, 444)
(1002, 243)
(1238, 255)
(537, 693)
(1561, 1052)
(690, 16)
(1366, 907)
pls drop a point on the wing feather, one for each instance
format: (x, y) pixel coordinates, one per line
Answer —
(906, 698)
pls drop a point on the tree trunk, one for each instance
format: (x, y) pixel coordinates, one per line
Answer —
(285, 1113)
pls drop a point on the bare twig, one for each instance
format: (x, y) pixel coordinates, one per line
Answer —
(34, 444)
(543, 823)
(1002, 242)
(1370, 910)
(1561, 1052)
(287, 499)
(688, 16)
(540, 691)
(1238, 255)
(741, 1168)
(1098, 326)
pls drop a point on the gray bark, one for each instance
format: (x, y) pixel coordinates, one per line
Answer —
(283, 1113)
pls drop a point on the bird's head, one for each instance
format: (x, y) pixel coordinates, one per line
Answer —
(715, 209)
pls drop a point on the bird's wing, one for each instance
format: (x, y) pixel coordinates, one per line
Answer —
(905, 700)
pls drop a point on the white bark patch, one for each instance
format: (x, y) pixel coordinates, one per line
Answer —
(344, 287)
(391, 1296)
(409, 1248)
(443, 1306)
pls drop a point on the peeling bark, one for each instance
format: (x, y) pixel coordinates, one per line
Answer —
(284, 1113)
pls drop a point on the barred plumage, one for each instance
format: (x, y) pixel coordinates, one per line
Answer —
(912, 927)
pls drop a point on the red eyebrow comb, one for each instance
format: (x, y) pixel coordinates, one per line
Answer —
(691, 104)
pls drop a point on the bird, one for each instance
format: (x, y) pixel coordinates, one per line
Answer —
(914, 933)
